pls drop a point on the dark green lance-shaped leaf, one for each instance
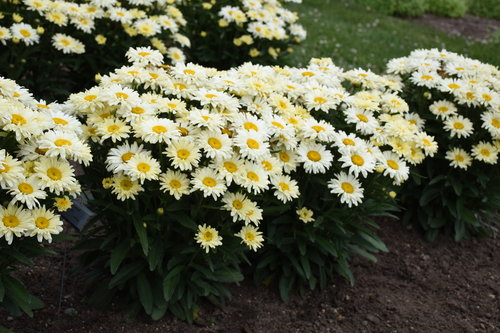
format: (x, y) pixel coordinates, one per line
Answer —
(185, 221)
(285, 286)
(145, 293)
(171, 281)
(155, 256)
(456, 184)
(125, 273)
(18, 257)
(459, 229)
(159, 310)
(375, 242)
(142, 234)
(342, 267)
(427, 195)
(305, 266)
(118, 254)
(363, 253)
(228, 276)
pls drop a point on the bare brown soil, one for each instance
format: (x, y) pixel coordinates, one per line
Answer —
(478, 28)
(416, 287)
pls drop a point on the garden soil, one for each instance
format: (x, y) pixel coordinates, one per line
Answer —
(416, 287)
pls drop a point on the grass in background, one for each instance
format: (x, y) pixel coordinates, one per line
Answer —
(354, 37)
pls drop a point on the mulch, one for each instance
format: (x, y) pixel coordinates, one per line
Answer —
(416, 287)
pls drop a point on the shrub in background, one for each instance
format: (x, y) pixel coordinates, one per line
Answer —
(56, 47)
(458, 191)
(36, 181)
(227, 33)
(485, 8)
(451, 8)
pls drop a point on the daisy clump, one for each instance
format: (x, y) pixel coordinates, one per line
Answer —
(39, 145)
(458, 101)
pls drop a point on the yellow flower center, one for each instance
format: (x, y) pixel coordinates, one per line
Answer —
(309, 74)
(90, 98)
(252, 176)
(126, 184)
(6, 168)
(362, 117)
(207, 236)
(209, 181)
(65, 42)
(458, 125)
(59, 121)
(206, 118)
(284, 186)
(495, 122)
(459, 158)
(17, 119)
(453, 86)
(318, 128)
(154, 75)
(443, 109)
(427, 77)
(348, 142)
(127, 156)
(253, 144)
(62, 142)
(175, 183)
(215, 143)
(183, 154)
(54, 174)
(143, 54)
(237, 204)
(113, 128)
(184, 131)
(393, 165)
(314, 156)
(320, 100)
(250, 126)
(347, 187)
(283, 105)
(249, 236)
(180, 86)
(137, 110)
(230, 166)
(10, 221)
(25, 33)
(487, 97)
(267, 165)
(357, 160)
(210, 95)
(485, 152)
(143, 167)
(158, 129)
(121, 95)
(469, 95)
(279, 125)
(189, 71)
(284, 157)
(42, 222)
(25, 188)
(41, 151)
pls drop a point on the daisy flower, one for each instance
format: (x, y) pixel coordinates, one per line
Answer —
(175, 183)
(125, 188)
(459, 158)
(443, 109)
(209, 182)
(154, 130)
(142, 167)
(348, 188)
(215, 144)
(207, 119)
(491, 123)
(286, 189)
(25, 33)
(316, 158)
(251, 236)
(14, 221)
(184, 153)
(208, 237)
(112, 128)
(67, 44)
(395, 168)
(458, 126)
(252, 145)
(118, 157)
(253, 178)
(11, 170)
(485, 152)
(144, 56)
(305, 215)
(358, 160)
(62, 204)
(28, 191)
(236, 203)
(55, 174)
(45, 224)
(252, 213)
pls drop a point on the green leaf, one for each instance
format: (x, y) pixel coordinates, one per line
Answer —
(185, 221)
(363, 253)
(125, 273)
(171, 281)
(305, 266)
(374, 241)
(142, 234)
(155, 256)
(118, 254)
(427, 195)
(159, 311)
(228, 276)
(285, 286)
(145, 293)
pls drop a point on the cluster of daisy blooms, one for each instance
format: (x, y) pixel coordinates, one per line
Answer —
(33, 19)
(235, 134)
(36, 177)
(262, 19)
(467, 102)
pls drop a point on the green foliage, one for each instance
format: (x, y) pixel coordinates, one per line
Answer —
(451, 8)
(220, 45)
(148, 258)
(485, 8)
(410, 7)
(301, 256)
(14, 296)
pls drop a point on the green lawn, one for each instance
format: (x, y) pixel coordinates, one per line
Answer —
(355, 37)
